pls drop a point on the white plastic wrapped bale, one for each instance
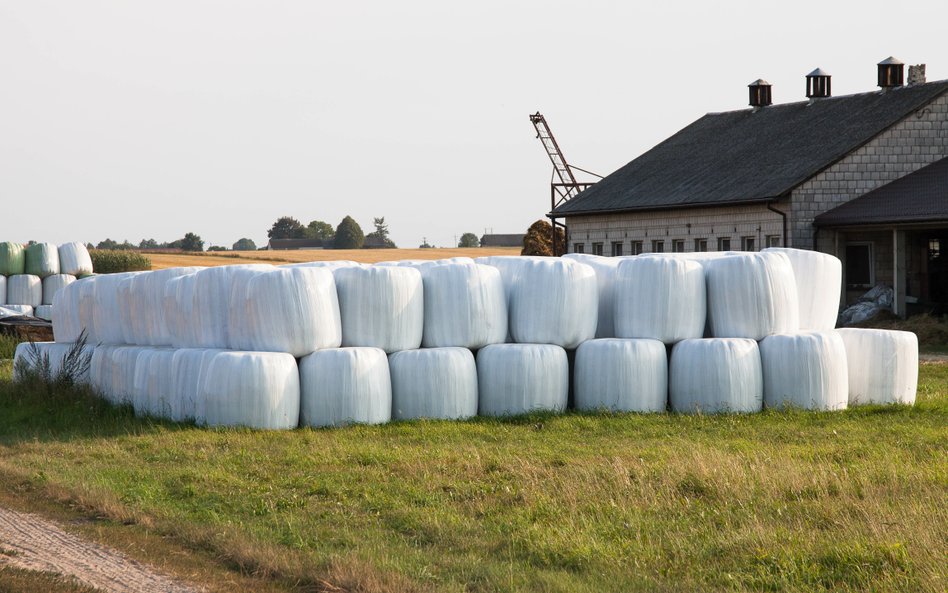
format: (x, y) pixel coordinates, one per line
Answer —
(522, 378)
(751, 295)
(112, 373)
(57, 354)
(74, 259)
(292, 310)
(42, 259)
(805, 370)
(16, 311)
(53, 284)
(199, 315)
(661, 298)
(153, 386)
(24, 289)
(554, 301)
(381, 307)
(621, 375)
(254, 389)
(44, 312)
(716, 375)
(819, 279)
(85, 299)
(3, 290)
(331, 265)
(109, 308)
(188, 371)
(464, 306)
(433, 383)
(605, 268)
(146, 323)
(341, 386)
(883, 366)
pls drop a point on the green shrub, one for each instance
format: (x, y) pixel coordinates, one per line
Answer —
(8, 345)
(106, 261)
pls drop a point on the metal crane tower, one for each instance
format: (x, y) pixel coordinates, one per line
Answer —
(567, 187)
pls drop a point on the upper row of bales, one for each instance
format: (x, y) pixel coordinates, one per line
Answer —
(742, 329)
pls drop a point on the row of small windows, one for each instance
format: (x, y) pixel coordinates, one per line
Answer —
(677, 245)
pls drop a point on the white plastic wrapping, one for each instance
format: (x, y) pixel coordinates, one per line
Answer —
(341, 386)
(605, 268)
(883, 366)
(819, 279)
(196, 306)
(292, 310)
(330, 265)
(44, 312)
(74, 259)
(143, 300)
(42, 259)
(381, 307)
(715, 375)
(433, 383)
(57, 353)
(805, 370)
(522, 378)
(188, 371)
(24, 289)
(464, 306)
(554, 301)
(661, 298)
(85, 299)
(751, 295)
(254, 389)
(153, 391)
(3, 290)
(112, 373)
(53, 284)
(621, 375)
(110, 311)
(16, 311)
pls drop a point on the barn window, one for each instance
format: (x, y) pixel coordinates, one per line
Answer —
(658, 247)
(678, 245)
(724, 243)
(773, 241)
(636, 247)
(579, 248)
(701, 244)
(616, 248)
(597, 248)
(748, 243)
(859, 268)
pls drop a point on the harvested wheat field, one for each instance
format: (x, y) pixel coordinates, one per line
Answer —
(160, 261)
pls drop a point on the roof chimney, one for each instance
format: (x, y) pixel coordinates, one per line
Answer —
(916, 74)
(890, 73)
(759, 93)
(818, 84)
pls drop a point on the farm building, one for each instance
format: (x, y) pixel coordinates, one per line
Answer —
(863, 177)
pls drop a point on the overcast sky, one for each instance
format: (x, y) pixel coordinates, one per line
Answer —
(136, 120)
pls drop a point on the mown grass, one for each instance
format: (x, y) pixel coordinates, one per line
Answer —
(790, 501)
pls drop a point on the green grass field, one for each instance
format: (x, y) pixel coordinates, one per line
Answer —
(791, 501)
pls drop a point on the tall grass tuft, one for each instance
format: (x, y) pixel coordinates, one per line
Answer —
(36, 367)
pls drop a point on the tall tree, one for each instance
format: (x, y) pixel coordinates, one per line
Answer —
(245, 245)
(539, 241)
(469, 240)
(148, 244)
(318, 229)
(192, 242)
(348, 235)
(286, 227)
(380, 234)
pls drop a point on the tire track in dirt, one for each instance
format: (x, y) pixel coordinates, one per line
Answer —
(30, 542)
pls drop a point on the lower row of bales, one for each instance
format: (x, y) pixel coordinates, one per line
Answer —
(30, 276)
(331, 343)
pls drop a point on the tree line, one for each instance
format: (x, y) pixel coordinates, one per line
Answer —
(347, 234)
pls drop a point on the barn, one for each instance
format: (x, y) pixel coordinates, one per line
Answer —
(863, 177)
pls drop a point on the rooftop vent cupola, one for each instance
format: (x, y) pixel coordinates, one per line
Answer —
(891, 73)
(818, 84)
(759, 93)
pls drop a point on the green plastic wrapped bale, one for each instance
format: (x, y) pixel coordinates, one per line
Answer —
(42, 259)
(12, 259)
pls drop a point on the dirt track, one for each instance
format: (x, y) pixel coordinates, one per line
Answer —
(32, 543)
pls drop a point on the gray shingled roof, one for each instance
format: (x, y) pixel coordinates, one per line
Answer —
(750, 155)
(919, 197)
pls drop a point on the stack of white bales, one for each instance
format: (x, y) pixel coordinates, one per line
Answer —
(30, 277)
(329, 344)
